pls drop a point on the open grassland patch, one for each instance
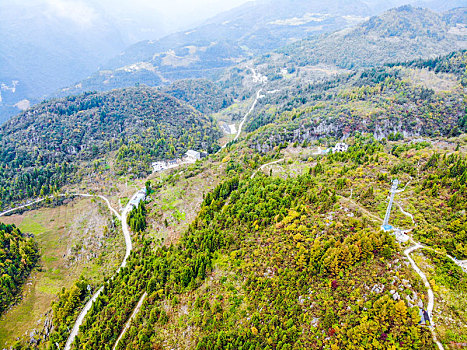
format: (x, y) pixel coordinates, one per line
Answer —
(72, 242)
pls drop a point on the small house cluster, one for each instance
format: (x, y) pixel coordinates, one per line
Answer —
(192, 156)
(158, 166)
(339, 147)
(189, 157)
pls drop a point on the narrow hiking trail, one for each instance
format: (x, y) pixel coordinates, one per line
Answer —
(405, 213)
(128, 323)
(431, 295)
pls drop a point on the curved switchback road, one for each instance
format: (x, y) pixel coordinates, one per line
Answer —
(126, 233)
(129, 247)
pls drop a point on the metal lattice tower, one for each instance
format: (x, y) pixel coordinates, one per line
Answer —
(393, 191)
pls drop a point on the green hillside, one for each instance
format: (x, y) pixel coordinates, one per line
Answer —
(42, 148)
(279, 262)
(274, 241)
(401, 98)
(292, 256)
(18, 255)
(202, 94)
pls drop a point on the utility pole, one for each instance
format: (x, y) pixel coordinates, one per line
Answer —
(393, 191)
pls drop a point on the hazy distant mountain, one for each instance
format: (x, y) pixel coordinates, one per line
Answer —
(231, 37)
(242, 33)
(47, 44)
(399, 34)
(45, 47)
(441, 5)
(250, 29)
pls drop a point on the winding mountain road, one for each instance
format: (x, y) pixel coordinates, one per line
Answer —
(129, 247)
(431, 295)
(245, 117)
(126, 233)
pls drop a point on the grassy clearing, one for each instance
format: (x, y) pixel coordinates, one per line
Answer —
(59, 231)
(176, 203)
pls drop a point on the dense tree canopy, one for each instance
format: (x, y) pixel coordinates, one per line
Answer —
(18, 255)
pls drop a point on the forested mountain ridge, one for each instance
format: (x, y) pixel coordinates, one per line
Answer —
(42, 146)
(204, 95)
(399, 34)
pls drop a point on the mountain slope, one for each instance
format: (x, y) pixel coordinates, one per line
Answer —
(396, 35)
(251, 29)
(400, 34)
(18, 254)
(202, 94)
(292, 256)
(420, 98)
(42, 147)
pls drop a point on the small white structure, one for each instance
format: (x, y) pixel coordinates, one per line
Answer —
(192, 156)
(340, 147)
(138, 197)
(401, 236)
(159, 166)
